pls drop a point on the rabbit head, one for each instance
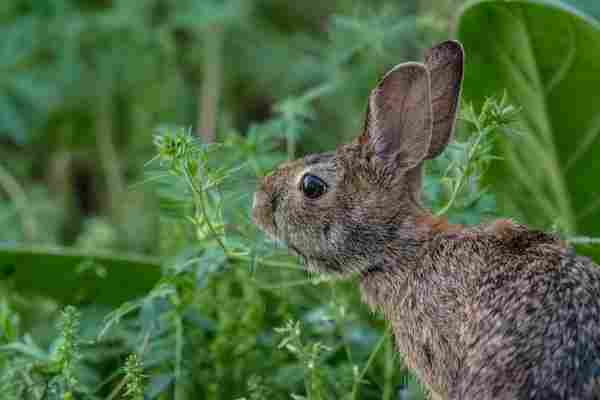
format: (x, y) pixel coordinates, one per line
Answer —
(339, 210)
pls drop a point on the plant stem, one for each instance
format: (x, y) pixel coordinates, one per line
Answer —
(109, 158)
(340, 321)
(388, 383)
(307, 388)
(461, 179)
(374, 352)
(117, 389)
(211, 83)
(218, 238)
(584, 240)
(178, 356)
(200, 204)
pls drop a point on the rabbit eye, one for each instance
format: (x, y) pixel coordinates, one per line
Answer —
(313, 186)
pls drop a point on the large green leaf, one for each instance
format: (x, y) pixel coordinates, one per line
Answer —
(77, 277)
(545, 54)
(591, 7)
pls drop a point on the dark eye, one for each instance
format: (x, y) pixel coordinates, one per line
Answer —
(313, 186)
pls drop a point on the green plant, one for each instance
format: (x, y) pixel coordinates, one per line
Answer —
(212, 298)
(309, 354)
(196, 317)
(547, 74)
(470, 159)
(134, 376)
(67, 353)
(33, 373)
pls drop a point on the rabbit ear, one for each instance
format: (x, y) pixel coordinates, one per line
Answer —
(399, 117)
(445, 65)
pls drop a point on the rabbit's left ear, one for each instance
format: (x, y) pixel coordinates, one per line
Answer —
(399, 119)
(445, 65)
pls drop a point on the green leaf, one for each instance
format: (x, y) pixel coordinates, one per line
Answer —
(545, 55)
(591, 7)
(71, 276)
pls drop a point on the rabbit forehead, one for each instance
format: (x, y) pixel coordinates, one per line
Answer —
(280, 177)
(291, 172)
(287, 177)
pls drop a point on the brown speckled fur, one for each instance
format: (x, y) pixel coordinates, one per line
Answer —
(494, 311)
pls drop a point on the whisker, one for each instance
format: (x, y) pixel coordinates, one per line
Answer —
(300, 282)
(584, 240)
(290, 267)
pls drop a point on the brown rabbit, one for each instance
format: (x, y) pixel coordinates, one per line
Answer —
(493, 311)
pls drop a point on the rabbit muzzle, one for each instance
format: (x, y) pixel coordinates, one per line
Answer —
(262, 213)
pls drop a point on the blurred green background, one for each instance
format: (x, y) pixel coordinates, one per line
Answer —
(112, 199)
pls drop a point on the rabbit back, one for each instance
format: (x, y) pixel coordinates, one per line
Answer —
(534, 328)
(493, 312)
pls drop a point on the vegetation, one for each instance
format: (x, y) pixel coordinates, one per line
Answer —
(130, 268)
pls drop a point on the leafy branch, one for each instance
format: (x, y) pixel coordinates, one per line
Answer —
(475, 155)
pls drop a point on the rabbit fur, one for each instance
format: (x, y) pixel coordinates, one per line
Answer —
(495, 311)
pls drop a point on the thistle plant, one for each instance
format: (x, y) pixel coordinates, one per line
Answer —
(184, 158)
(257, 390)
(67, 352)
(31, 372)
(468, 160)
(309, 354)
(134, 378)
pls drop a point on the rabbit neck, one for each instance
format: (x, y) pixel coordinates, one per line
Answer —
(421, 300)
(399, 266)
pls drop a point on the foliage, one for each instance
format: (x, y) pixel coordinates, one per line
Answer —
(83, 276)
(213, 298)
(540, 71)
(590, 7)
(469, 160)
(83, 86)
(134, 377)
(33, 373)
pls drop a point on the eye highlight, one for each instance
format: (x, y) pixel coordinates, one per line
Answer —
(312, 186)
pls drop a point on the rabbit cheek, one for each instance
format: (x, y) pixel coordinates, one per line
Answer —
(262, 213)
(307, 231)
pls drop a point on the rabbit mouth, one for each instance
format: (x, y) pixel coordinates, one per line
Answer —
(309, 266)
(314, 263)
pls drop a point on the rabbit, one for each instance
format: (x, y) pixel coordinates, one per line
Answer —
(494, 311)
